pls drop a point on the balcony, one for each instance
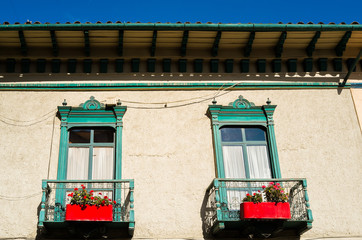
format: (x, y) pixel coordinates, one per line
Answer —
(222, 216)
(55, 198)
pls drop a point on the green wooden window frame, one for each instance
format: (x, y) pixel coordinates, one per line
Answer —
(91, 114)
(242, 113)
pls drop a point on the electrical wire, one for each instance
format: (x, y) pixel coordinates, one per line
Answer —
(23, 123)
(165, 104)
(9, 119)
(19, 198)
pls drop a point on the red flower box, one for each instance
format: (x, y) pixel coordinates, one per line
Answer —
(88, 213)
(264, 210)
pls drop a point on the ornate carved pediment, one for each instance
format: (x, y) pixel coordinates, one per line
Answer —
(92, 104)
(241, 102)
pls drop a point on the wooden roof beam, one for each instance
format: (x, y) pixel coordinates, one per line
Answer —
(23, 47)
(185, 38)
(153, 47)
(120, 43)
(311, 46)
(249, 45)
(86, 43)
(280, 44)
(54, 43)
(342, 44)
(215, 47)
(350, 70)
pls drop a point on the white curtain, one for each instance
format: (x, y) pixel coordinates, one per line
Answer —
(103, 163)
(234, 168)
(233, 162)
(78, 159)
(259, 164)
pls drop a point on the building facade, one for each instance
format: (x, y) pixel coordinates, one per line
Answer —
(177, 123)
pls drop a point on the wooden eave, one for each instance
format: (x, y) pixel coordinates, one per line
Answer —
(138, 39)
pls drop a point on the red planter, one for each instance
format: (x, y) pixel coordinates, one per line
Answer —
(89, 213)
(264, 210)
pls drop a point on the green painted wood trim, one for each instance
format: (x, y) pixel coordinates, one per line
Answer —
(164, 86)
(337, 64)
(292, 65)
(63, 144)
(135, 64)
(72, 65)
(10, 65)
(120, 42)
(23, 45)
(244, 65)
(44, 186)
(280, 44)
(308, 64)
(261, 65)
(54, 43)
(40, 65)
(184, 26)
(249, 46)
(276, 65)
(272, 145)
(243, 112)
(87, 65)
(214, 65)
(86, 43)
(341, 46)
(153, 46)
(182, 65)
(166, 65)
(323, 64)
(184, 43)
(119, 65)
(55, 65)
(25, 65)
(215, 47)
(311, 46)
(229, 65)
(103, 65)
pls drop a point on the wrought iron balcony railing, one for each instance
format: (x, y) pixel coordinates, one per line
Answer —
(226, 195)
(55, 198)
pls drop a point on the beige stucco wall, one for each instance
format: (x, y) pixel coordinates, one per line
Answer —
(169, 153)
(357, 99)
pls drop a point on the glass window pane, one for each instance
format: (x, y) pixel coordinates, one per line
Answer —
(255, 134)
(103, 135)
(231, 134)
(79, 135)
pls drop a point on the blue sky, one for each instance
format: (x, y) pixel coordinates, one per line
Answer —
(227, 11)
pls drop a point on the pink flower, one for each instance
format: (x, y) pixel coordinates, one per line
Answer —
(282, 191)
(114, 202)
(278, 184)
(85, 197)
(263, 187)
(271, 183)
(100, 193)
(258, 190)
(105, 197)
(75, 189)
(92, 198)
(254, 194)
(248, 194)
(91, 191)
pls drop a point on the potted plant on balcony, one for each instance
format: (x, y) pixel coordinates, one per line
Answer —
(84, 206)
(275, 207)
